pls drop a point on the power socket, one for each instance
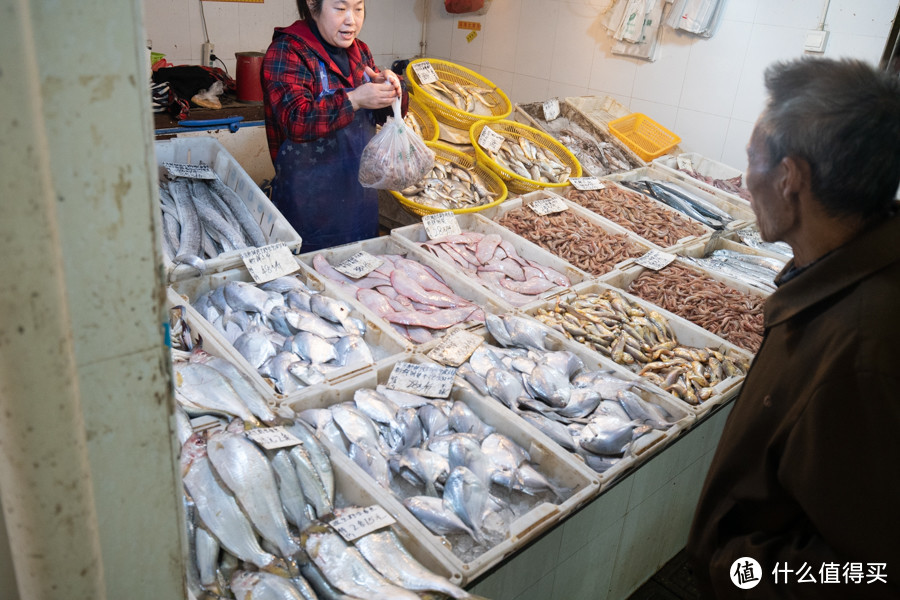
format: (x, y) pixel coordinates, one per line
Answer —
(206, 51)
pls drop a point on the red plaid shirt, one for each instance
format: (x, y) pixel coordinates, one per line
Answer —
(292, 86)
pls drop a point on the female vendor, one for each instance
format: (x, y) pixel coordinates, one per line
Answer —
(320, 89)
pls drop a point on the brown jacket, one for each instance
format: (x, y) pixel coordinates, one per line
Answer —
(807, 473)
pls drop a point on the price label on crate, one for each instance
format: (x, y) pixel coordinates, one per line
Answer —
(441, 224)
(551, 109)
(425, 72)
(359, 265)
(357, 523)
(455, 348)
(490, 140)
(271, 438)
(586, 183)
(548, 206)
(684, 163)
(655, 260)
(431, 381)
(190, 171)
(269, 262)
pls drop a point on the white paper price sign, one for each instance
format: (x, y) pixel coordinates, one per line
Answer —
(355, 524)
(551, 109)
(586, 183)
(656, 260)
(490, 140)
(190, 171)
(441, 224)
(456, 348)
(271, 438)
(359, 265)
(684, 163)
(425, 72)
(269, 262)
(548, 206)
(431, 381)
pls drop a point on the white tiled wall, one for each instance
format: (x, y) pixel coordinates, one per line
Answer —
(709, 91)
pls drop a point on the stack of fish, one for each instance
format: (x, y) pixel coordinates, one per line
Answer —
(292, 335)
(524, 158)
(752, 269)
(597, 158)
(407, 294)
(455, 473)
(643, 341)
(595, 414)
(750, 237)
(465, 97)
(449, 186)
(495, 263)
(683, 200)
(202, 218)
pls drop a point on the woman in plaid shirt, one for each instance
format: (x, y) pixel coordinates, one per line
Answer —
(320, 88)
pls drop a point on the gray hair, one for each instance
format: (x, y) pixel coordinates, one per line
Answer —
(843, 118)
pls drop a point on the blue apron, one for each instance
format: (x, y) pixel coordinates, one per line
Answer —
(316, 185)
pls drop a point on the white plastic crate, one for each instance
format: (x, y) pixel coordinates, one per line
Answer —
(547, 458)
(414, 236)
(461, 286)
(702, 249)
(704, 166)
(209, 151)
(382, 342)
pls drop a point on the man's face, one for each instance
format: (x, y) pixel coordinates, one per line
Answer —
(767, 199)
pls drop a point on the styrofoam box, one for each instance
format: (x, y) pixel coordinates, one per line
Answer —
(701, 249)
(583, 213)
(704, 166)
(560, 467)
(739, 210)
(623, 278)
(208, 150)
(687, 334)
(684, 413)
(461, 286)
(382, 341)
(532, 115)
(414, 235)
(733, 237)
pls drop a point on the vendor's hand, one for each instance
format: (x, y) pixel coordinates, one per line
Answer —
(378, 93)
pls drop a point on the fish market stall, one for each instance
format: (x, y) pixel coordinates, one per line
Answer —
(710, 174)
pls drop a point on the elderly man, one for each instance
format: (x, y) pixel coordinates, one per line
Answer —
(805, 481)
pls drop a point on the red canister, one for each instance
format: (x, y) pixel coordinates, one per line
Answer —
(249, 85)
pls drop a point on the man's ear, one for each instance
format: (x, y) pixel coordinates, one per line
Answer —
(795, 177)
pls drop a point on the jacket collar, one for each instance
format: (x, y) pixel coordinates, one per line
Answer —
(868, 253)
(300, 30)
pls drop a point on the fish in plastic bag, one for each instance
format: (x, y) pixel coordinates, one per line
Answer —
(396, 157)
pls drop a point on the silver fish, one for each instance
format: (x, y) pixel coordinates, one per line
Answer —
(353, 350)
(241, 295)
(206, 550)
(555, 430)
(202, 388)
(436, 516)
(311, 347)
(428, 467)
(466, 495)
(278, 369)
(290, 489)
(252, 585)
(464, 451)
(256, 346)
(606, 435)
(318, 455)
(463, 420)
(644, 412)
(505, 387)
(314, 488)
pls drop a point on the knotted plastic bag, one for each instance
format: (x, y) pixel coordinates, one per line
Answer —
(396, 157)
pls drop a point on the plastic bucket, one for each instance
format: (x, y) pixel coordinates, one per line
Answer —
(249, 85)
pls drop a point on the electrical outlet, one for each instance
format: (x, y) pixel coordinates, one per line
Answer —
(206, 51)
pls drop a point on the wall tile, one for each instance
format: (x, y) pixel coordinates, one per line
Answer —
(870, 18)
(461, 48)
(590, 562)
(604, 512)
(500, 31)
(743, 10)
(541, 590)
(438, 31)
(664, 114)
(851, 45)
(613, 74)
(661, 81)
(407, 28)
(529, 89)
(734, 152)
(801, 14)
(532, 564)
(564, 90)
(767, 45)
(701, 132)
(573, 50)
(502, 79)
(537, 29)
(714, 69)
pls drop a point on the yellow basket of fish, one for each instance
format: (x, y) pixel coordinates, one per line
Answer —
(528, 159)
(458, 183)
(460, 96)
(421, 119)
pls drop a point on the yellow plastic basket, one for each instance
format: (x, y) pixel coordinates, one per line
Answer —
(424, 117)
(512, 129)
(449, 72)
(645, 136)
(445, 154)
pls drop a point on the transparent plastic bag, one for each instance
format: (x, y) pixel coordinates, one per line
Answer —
(396, 157)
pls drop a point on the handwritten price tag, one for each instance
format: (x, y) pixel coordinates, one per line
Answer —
(430, 381)
(441, 224)
(655, 260)
(359, 265)
(355, 524)
(548, 206)
(190, 171)
(425, 72)
(490, 140)
(269, 262)
(551, 109)
(456, 348)
(586, 183)
(271, 438)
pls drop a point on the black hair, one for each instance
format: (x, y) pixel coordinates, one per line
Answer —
(304, 8)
